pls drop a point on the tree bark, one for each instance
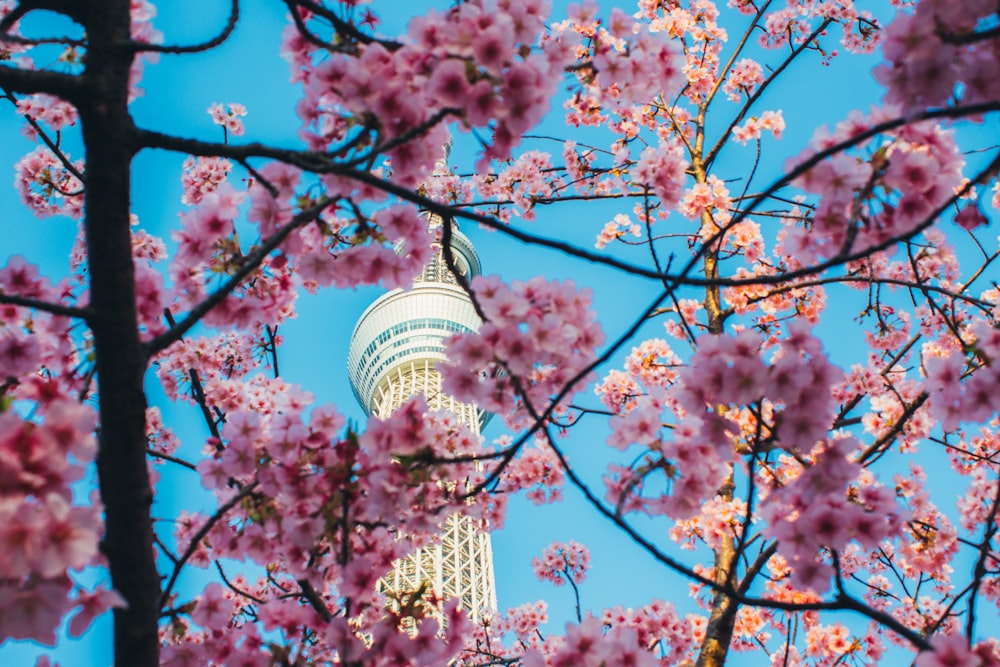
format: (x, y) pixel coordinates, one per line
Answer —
(722, 619)
(121, 460)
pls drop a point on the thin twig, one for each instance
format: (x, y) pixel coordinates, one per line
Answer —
(200, 535)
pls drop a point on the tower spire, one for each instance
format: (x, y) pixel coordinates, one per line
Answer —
(395, 348)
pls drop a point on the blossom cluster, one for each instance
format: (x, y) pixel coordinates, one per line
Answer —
(46, 186)
(616, 229)
(954, 399)
(815, 512)
(332, 510)
(390, 245)
(771, 121)
(537, 342)
(230, 119)
(46, 534)
(562, 562)
(936, 49)
(53, 112)
(726, 373)
(474, 62)
(918, 166)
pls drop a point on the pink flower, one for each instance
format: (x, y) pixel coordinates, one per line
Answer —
(948, 651)
(562, 562)
(970, 218)
(93, 605)
(213, 610)
(448, 84)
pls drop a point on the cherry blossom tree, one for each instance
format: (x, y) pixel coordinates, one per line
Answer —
(798, 484)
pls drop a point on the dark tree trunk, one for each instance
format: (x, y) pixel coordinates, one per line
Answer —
(125, 490)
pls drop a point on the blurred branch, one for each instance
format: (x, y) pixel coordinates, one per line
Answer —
(227, 30)
(66, 86)
(344, 28)
(172, 459)
(54, 308)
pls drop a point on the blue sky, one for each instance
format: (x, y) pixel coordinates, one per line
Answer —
(248, 70)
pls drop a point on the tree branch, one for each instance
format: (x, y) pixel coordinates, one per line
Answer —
(53, 146)
(67, 86)
(46, 306)
(200, 535)
(39, 41)
(71, 8)
(172, 459)
(314, 599)
(724, 137)
(227, 30)
(841, 602)
(250, 264)
(344, 28)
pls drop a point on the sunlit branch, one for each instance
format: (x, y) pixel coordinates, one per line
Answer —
(979, 571)
(724, 137)
(724, 71)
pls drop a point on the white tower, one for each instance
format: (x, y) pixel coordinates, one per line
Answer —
(395, 348)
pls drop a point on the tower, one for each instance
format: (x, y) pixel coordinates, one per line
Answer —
(395, 348)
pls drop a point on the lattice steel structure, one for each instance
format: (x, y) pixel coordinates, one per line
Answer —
(394, 352)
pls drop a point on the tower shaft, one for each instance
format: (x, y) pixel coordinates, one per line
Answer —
(394, 353)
